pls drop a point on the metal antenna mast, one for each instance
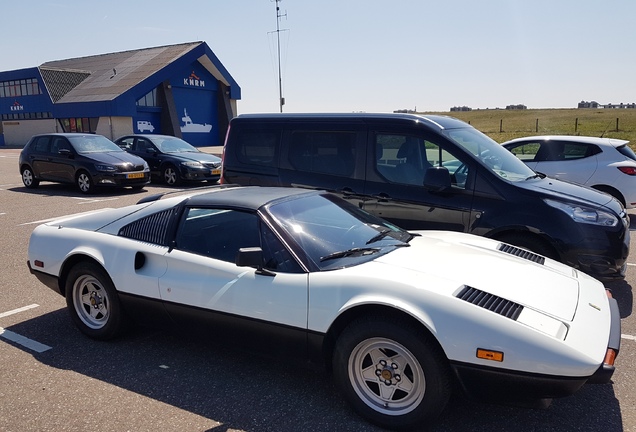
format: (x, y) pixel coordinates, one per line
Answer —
(281, 99)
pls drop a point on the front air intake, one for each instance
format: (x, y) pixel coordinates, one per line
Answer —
(495, 304)
(521, 253)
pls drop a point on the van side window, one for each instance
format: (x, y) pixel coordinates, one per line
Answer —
(404, 159)
(257, 147)
(326, 152)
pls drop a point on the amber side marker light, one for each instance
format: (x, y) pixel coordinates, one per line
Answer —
(489, 355)
(38, 263)
(610, 355)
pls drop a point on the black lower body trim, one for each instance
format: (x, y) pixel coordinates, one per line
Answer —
(511, 387)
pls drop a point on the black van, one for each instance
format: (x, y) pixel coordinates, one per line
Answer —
(431, 172)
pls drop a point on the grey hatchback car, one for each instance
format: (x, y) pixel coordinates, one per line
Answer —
(86, 160)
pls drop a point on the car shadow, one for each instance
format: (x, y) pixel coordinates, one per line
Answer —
(247, 392)
(59, 189)
(624, 295)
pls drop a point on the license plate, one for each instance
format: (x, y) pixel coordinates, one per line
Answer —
(216, 171)
(135, 175)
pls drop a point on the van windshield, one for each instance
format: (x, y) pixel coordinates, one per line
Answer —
(493, 156)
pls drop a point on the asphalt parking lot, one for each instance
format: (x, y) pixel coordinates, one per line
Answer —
(52, 378)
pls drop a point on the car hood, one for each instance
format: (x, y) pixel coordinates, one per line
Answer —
(575, 193)
(486, 268)
(196, 157)
(115, 158)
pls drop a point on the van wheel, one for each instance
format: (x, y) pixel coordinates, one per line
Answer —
(531, 243)
(392, 373)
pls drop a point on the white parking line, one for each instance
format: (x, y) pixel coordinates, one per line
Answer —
(24, 341)
(628, 337)
(15, 311)
(94, 200)
(19, 339)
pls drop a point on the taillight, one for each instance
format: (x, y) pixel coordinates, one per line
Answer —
(628, 170)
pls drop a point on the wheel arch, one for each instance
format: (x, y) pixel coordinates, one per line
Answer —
(379, 311)
(612, 191)
(71, 262)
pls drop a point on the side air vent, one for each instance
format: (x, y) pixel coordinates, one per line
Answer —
(491, 302)
(521, 253)
(151, 229)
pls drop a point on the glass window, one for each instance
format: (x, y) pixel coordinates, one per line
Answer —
(257, 147)
(404, 159)
(218, 233)
(326, 152)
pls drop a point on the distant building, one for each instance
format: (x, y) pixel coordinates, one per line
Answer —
(591, 104)
(461, 108)
(620, 106)
(516, 107)
(181, 90)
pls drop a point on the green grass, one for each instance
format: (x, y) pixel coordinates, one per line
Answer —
(502, 125)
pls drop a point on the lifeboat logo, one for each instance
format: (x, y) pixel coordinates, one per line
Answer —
(193, 81)
(17, 106)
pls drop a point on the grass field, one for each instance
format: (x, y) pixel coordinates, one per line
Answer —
(502, 125)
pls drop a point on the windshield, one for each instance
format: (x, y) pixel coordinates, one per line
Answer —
(93, 144)
(334, 233)
(495, 157)
(173, 145)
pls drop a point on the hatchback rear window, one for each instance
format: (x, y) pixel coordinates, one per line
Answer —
(626, 151)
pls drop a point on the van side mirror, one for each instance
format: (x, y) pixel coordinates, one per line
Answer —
(437, 179)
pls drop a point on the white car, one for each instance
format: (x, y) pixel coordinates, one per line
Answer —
(606, 164)
(399, 317)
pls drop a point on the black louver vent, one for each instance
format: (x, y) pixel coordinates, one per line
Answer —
(150, 229)
(522, 253)
(495, 304)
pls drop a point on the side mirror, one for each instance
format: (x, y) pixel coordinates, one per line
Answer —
(252, 257)
(437, 179)
(64, 152)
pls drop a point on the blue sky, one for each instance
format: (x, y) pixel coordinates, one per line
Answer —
(360, 55)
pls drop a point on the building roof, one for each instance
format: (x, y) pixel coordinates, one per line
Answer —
(105, 77)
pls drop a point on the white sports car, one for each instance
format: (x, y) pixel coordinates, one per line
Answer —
(398, 316)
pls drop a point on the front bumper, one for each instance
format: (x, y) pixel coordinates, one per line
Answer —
(122, 179)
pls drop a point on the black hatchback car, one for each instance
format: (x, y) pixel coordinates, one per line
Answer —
(85, 160)
(172, 159)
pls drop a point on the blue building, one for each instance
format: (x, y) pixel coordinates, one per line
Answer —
(181, 90)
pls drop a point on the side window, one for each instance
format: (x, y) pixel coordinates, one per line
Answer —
(58, 144)
(404, 159)
(576, 151)
(526, 152)
(126, 143)
(256, 147)
(325, 152)
(142, 145)
(41, 144)
(217, 233)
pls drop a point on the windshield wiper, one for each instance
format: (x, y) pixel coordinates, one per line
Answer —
(379, 236)
(349, 252)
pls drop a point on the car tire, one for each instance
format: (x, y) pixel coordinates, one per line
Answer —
(28, 178)
(170, 175)
(392, 373)
(93, 303)
(84, 182)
